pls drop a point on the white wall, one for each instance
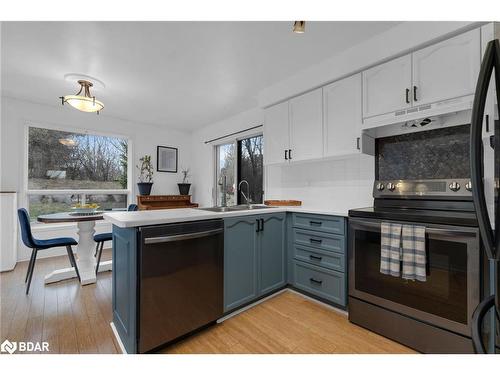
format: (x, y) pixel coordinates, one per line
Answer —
(203, 165)
(335, 184)
(144, 139)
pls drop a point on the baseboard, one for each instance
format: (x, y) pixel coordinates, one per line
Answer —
(118, 339)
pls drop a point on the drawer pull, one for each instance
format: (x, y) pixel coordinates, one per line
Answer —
(313, 280)
(317, 223)
(315, 257)
(314, 240)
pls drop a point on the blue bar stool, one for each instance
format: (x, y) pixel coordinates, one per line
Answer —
(36, 245)
(103, 237)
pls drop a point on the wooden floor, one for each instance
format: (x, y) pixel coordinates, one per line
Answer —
(75, 319)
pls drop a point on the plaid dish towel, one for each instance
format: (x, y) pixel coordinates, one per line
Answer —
(390, 249)
(414, 257)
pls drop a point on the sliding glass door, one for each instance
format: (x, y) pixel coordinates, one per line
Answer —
(251, 168)
(237, 161)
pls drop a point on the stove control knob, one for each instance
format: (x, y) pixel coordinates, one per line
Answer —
(380, 186)
(391, 186)
(468, 186)
(454, 186)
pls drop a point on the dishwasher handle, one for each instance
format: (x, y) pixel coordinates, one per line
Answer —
(182, 237)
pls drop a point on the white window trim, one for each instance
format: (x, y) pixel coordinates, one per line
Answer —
(27, 192)
(234, 141)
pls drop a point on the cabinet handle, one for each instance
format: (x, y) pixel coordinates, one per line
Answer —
(314, 240)
(408, 96)
(290, 154)
(315, 257)
(262, 225)
(487, 123)
(414, 93)
(286, 154)
(357, 143)
(313, 280)
(317, 223)
(258, 225)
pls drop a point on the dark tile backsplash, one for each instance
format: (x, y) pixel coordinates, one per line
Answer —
(440, 154)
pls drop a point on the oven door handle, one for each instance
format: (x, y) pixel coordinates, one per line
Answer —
(435, 231)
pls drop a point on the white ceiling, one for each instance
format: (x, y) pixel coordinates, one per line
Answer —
(177, 74)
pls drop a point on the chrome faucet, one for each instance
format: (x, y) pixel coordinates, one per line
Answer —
(247, 197)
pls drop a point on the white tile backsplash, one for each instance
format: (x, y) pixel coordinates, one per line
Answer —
(338, 184)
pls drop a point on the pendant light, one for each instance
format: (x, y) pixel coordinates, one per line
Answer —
(82, 100)
(299, 27)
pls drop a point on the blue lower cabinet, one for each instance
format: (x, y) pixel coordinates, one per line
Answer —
(125, 286)
(319, 281)
(272, 253)
(317, 245)
(254, 257)
(240, 261)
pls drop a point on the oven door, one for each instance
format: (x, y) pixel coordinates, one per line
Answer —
(452, 290)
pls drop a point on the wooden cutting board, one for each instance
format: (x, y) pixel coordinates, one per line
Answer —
(277, 202)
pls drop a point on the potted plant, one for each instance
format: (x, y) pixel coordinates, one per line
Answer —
(145, 168)
(184, 186)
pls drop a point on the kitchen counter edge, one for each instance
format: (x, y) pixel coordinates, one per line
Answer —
(156, 217)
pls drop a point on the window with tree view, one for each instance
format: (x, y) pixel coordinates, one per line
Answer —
(235, 162)
(65, 168)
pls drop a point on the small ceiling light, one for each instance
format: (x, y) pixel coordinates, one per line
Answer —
(82, 100)
(299, 27)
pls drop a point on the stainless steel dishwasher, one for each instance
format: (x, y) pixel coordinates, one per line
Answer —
(180, 280)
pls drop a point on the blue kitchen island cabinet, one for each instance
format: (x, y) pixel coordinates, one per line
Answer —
(254, 257)
(125, 286)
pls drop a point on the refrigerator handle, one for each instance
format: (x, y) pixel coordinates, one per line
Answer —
(476, 148)
(477, 320)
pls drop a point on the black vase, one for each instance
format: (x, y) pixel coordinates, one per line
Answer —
(144, 187)
(184, 188)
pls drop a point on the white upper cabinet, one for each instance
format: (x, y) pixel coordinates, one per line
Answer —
(446, 70)
(342, 116)
(386, 87)
(306, 126)
(276, 133)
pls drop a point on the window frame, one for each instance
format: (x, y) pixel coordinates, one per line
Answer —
(81, 192)
(215, 154)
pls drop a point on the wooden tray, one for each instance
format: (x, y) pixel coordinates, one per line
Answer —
(274, 202)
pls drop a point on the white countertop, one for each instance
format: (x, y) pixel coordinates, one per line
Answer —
(125, 219)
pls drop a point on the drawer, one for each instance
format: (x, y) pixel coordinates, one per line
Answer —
(322, 241)
(327, 284)
(334, 261)
(322, 223)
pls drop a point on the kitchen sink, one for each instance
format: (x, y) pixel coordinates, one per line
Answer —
(240, 207)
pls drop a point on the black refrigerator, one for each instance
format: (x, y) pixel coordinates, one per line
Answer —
(486, 317)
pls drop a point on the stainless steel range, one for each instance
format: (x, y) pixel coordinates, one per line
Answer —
(432, 316)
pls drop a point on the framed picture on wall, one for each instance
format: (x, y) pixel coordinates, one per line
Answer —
(166, 159)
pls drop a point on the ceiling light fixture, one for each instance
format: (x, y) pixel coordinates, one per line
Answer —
(299, 27)
(82, 100)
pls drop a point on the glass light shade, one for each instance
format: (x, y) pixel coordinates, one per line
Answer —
(84, 103)
(299, 27)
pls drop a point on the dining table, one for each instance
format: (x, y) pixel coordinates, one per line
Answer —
(85, 250)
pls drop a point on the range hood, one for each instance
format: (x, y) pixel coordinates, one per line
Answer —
(432, 110)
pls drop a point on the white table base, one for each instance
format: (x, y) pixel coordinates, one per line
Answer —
(86, 261)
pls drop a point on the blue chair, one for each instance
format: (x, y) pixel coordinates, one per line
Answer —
(36, 245)
(103, 237)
